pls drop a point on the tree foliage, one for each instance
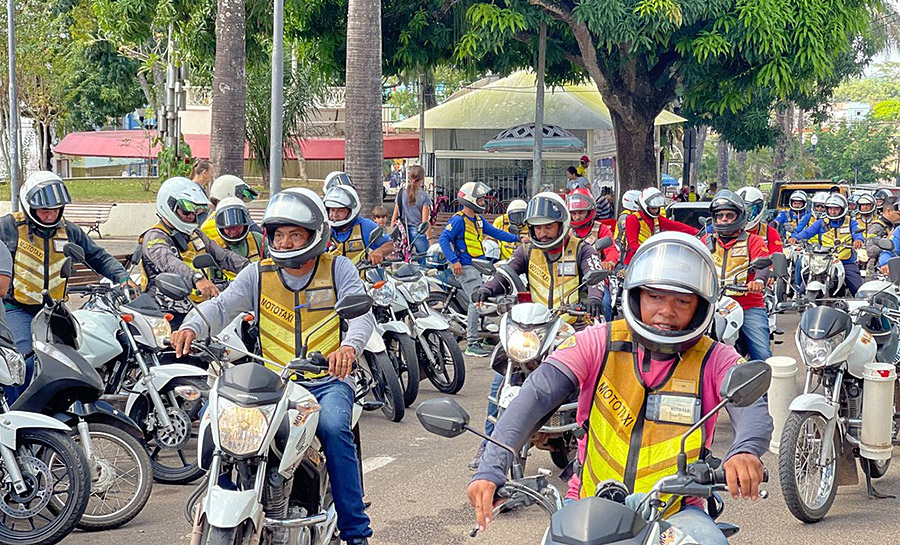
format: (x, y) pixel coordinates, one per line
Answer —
(867, 146)
(886, 110)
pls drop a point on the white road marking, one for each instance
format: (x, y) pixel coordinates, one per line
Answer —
(371, 464)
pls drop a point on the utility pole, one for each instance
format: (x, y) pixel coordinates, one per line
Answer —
(277, 119)
(14, 164)
(539, 111)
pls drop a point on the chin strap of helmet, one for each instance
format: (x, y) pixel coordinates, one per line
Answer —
(556, 252)
(583, 231)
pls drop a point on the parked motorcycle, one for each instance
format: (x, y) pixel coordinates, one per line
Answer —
(448, 299)
(46, 481)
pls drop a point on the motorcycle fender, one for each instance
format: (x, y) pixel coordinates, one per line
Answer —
(13, 421)
(432, 321)
(230, 508)
(299, 439)
(162, 375)
(815, 285)
(375, 344)
(101, 411)
(815, 403)
(395, 326)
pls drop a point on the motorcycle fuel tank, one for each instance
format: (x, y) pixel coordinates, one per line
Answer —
(99, 344)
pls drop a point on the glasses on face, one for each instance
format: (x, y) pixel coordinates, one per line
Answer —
(725, 217)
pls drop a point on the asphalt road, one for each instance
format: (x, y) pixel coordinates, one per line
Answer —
(416, 483)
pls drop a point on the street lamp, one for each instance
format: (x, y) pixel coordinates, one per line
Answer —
(814, 139)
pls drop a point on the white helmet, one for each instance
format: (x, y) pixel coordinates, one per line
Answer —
(470, 192)
(43, 190)
(836, 200)
(819, 199)
(515, 212)
(866, 198)
(299, 207)
(652, 198)
(335, 179)
(754, 200)
(342, 196)
(232, 212)
(181, 193)
(631, 200)
(228, 185)
(545, 208)
(800, 196)
(670, 262)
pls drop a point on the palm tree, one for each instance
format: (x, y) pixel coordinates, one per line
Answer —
(364, 152)
(229, 92)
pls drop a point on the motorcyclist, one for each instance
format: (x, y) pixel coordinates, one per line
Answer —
(299, 284)
(852, 207)
(350, 231)
(515, 216)
(891, 218)
(834, 230)
(797, 217)
(172, 244)
(880, 196)
(223, 187)
(630, 205)
(733, 247)
(232, 222)
(555, 262)
(873, 225)
(461, 241)
(754, 202)
(35, 237)
(648, 221)
(586, 227)
(659, 344)
(818, 205)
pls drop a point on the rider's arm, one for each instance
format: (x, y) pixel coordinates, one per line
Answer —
(519, 264)
(448, 237)
(782, 217)
(774, 241)
(346, 282)
(854, 229)
(498, 234)
(95, 256)
(6, 269)
(240, 296)
(632, 229)
(809, 232)
(158, 248)
(611, 253)
(758, 248)
(873, 232)
(666, 224)
(226, 259)
(588, 260)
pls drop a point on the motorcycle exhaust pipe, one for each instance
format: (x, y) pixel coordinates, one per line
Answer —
(782, 390)
(877, 418)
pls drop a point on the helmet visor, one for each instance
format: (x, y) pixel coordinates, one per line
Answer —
(245, 193)
(517, 217)
(293, 209)
(754, 209)
(481, 190)
(232, 217)
(52, 195)
(542, 210)
(656, 201)
(673, 267)
(579, 202)
(190, 207)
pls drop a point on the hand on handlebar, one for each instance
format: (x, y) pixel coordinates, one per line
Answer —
(481, 496)
(340, 362)
(181, 341)
(743, 474)
(756, 286)
(207, 289)
(857, 244)
(133, 290)
(793, 240)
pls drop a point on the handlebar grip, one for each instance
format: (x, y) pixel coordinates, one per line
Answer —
(719, 475)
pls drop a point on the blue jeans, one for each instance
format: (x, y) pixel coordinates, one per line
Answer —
(755, 333)
(852, 278)
(336, 436)
(492, 409)
(419, 242)
(470, 280)
(696, 523)
(19, 321)
(607, 304)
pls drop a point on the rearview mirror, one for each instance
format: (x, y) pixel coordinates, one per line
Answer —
(779, 264)
(884, 244)
(204, 261)
(136, 254)
(514, 229)
(353, 306)
(603, 244)
(376, 235)
(65, 271)
(73, 252)
(443, 416)
(746, 382)
(594, 277)
(174, 286)
(894, 269)
(704, 220)
(761, 263)
(396, 234)
(423, 227)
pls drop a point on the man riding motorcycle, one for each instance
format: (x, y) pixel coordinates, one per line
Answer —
(754, 203)
(657, 350)
(881, 227)
(630, 205)
(172, 244)
(797, 218)
(818, 205)
(232, 223)
(733, 247)
(350, 231)
(299, 284)
(834, 230)
(880, 196)
(515, 216)
(648, 221)
(224, 187)
(555, 262)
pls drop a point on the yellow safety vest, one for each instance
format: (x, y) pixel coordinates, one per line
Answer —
(196, 246)
(287, 317)
(647, 231)
(254, 253)
(692, 197)
(474, 234)
(354, 248)
(732, 258)
(506, 248)
(835, 236)
(209, 229)
(620, 227)
(550, 282)
(623, 443)
(38, 263)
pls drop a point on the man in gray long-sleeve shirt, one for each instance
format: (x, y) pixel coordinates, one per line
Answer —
(643, 382)
(880, 227)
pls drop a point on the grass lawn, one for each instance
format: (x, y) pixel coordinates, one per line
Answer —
(115, 190)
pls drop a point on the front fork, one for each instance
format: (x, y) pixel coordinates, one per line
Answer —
(159, 407)
(830, 424)
(84, 433)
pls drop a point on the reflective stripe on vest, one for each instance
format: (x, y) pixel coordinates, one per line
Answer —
(473, 236)
(506, 248)
(38, 263)
(254, 254)
(620, 227)
(196, 246)
(646, 231)
(286, 317)
(733, 258)
(354, 248)
(837, 236)
(549, 282)
(624, 445)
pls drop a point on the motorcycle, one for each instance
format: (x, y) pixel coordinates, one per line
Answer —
(854, 416)
(823, 273)
(122, 339)
(46, 481)
(603, 519)
(729, 316)
(447, 298)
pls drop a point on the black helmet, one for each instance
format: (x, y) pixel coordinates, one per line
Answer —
(881, 195)
(728, 200)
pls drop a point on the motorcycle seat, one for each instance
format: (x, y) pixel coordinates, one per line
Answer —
(145, 304)
(453, 282)
(250, 384)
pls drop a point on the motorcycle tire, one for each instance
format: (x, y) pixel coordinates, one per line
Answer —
(123, 444)
(402, 351)
(560, 455)
(874, 468)
(188, 471)
(387, 386)
(221, 536)
(448, 356)
(72, 468)
(788, 457)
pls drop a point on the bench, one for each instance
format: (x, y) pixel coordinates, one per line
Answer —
(83, 276)
(89, 215)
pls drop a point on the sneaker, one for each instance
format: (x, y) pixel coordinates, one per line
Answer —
(473, 465)
(488, 345)
(476, 350)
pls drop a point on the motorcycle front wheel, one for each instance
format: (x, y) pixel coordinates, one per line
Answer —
(221, 536)
(59, 486)
(402, 351)
(448, 372)
(386, 387)
(808, 487)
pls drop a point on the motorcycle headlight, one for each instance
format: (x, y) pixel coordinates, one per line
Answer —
(418, 290)
(242, 429)
(382, 295)
(15, 366)
(818, 264)
(161, 329)
(523, 345)
(816, 351)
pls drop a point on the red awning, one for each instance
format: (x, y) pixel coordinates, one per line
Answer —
(139, 144)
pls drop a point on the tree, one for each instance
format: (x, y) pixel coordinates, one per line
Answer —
(886, 110)
(364, 147)
(229, 90)
(864, 147)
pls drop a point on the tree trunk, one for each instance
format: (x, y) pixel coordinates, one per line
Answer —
(780, 153)
(229, 90)
(635, 157)
(364, 151)
(700, 143)
(430, 96)
(722, 164)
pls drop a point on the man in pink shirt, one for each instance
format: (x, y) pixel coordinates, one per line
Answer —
(643, 381)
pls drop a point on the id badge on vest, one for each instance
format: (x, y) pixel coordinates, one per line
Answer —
(566, 268)
(671, 408)
(58, 245)
(355, 246)
(320, 299)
